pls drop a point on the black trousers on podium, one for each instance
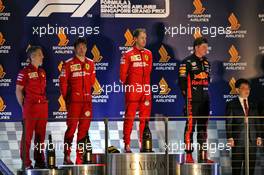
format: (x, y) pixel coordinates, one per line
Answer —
(238, 159)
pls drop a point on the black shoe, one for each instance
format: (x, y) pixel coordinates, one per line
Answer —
(40, 165)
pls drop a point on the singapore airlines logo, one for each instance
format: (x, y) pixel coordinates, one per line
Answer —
(2, 7)
(61, 100)
(97, 88)
(62, 104)
(234, 24)
(199, 9)
(129, 38)
(164, 56)
(96, 54)
(2, 72)
(63, 38)
(232, 83)
(2, 39)
(78, 8)
(164, 87)
(60, 66)
(234, 55)
(2, 105)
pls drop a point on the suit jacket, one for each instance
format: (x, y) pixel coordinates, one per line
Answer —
(235, 127)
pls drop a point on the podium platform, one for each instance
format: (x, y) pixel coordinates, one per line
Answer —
(89, 169)
(134, 164)
(197, 169)
(41, 172)
(156, 164)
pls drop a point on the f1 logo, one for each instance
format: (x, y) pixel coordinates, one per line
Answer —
(78, 8)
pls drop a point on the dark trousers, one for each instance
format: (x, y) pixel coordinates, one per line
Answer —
(198, 109)
(238, 159)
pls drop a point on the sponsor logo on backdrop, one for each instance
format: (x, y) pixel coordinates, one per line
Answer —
(164, 95)
(97, 58)
(26, 62)
(50, 29)
(4, 115)
(197, 34)
(98, 93)
(261, 81)
(233, 92)
(198, 14)
(4, 82)
(129, 41)
(62, 112)
(62, 47)
(236, 31)
(56, 80)
(164, 59)
(108, 8)
(261, 49)
(234, 62)
(128, 9)
(210, 31)
(261, 17)
(77, 8)
(4, 16)
(4, 48)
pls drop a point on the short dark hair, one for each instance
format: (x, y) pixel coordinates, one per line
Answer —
(241, 81)
(79, 41)
(32, 49)
(137, 31)
(199, 41)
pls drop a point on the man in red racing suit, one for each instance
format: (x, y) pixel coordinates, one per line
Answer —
(76, 80)
(31, 96)
(135, 70)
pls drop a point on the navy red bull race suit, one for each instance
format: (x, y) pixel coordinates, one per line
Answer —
(193, 81)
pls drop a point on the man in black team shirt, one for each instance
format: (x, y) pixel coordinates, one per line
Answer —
(193, 81)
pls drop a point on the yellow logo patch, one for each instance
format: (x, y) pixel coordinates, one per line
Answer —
(75, 67)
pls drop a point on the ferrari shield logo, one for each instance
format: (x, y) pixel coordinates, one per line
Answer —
(146, 57)
(87, 66)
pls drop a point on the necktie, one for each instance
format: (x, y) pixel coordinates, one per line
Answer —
(245, 107)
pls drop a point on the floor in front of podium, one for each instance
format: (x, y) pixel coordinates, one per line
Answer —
(10, 135)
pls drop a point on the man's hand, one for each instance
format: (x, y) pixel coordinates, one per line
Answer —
(20, 95)
(184, 93)
(231, 142)
(259, 141)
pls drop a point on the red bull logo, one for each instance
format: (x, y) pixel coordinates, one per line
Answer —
(202, 75)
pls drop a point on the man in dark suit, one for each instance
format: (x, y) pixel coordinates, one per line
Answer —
(235, 128)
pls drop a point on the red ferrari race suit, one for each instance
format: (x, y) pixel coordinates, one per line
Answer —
(76, 81)
(194, 80)
(35, 112)
(135, 71)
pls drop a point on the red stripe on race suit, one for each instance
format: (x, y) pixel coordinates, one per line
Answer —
(189, 113)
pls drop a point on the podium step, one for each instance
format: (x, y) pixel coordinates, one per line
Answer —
(89, 169)
(41, 172)
(142, 163)
(197, 169)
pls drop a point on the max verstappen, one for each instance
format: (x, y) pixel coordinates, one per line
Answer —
(193, 81)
